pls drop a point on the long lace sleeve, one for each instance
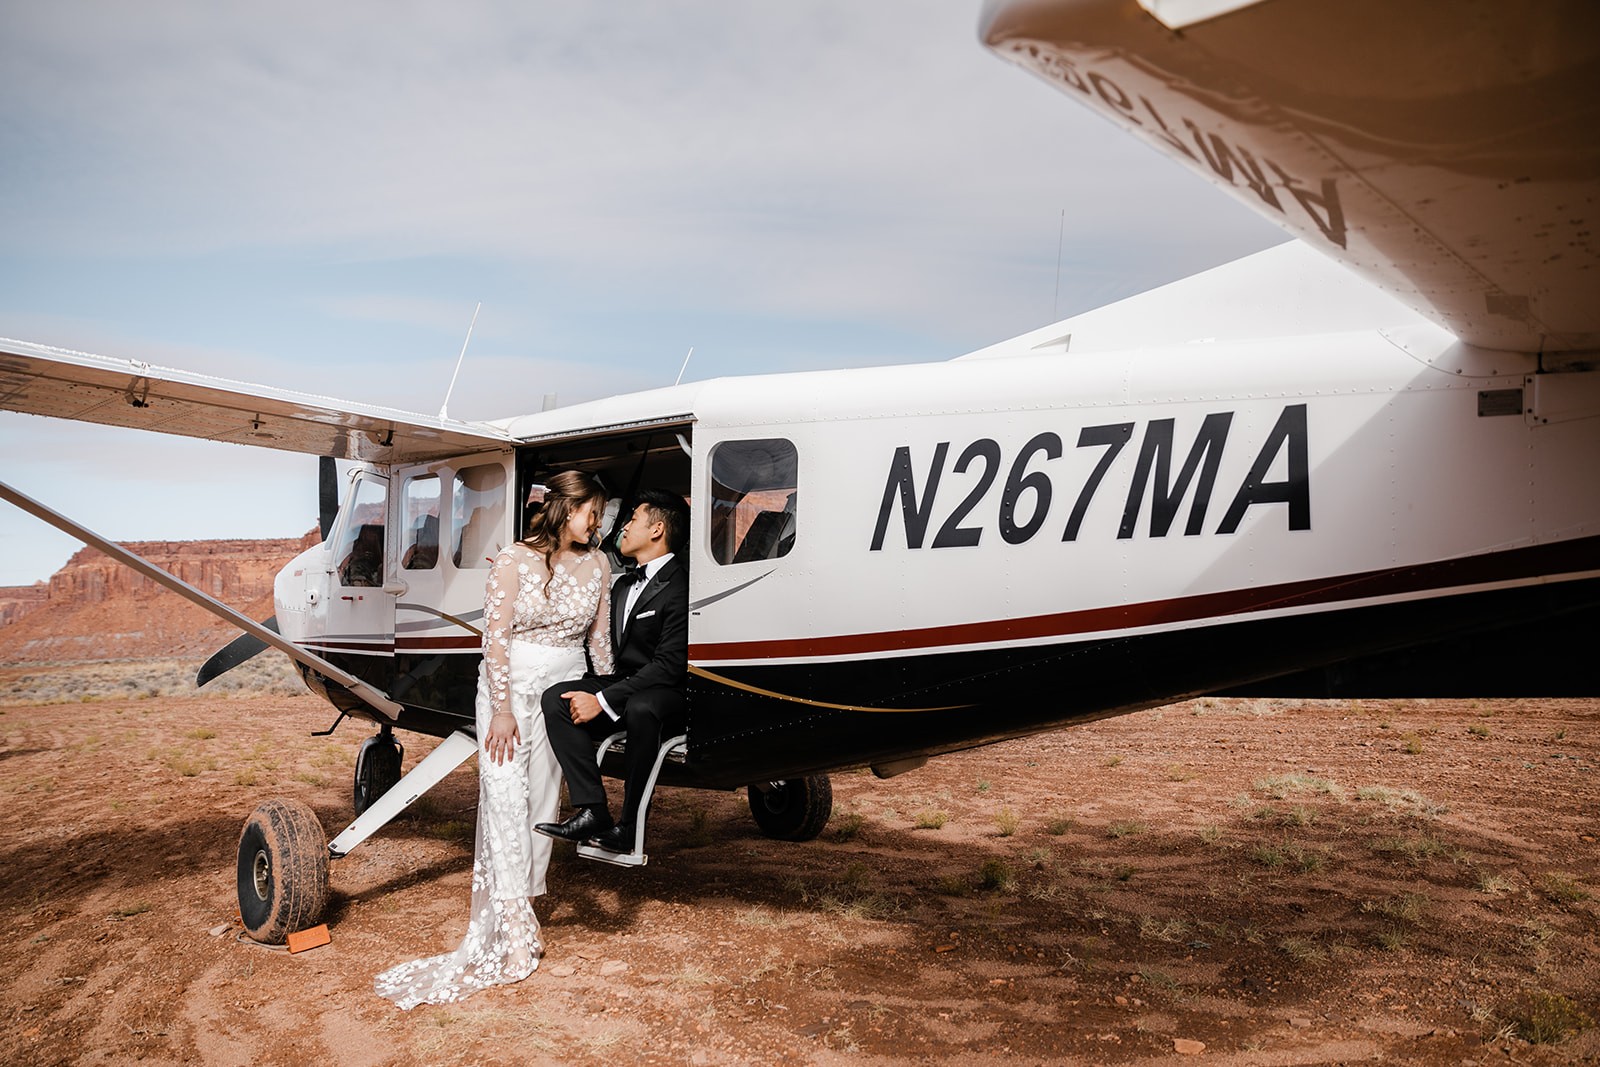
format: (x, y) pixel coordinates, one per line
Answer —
(600, 628)
(499, 609)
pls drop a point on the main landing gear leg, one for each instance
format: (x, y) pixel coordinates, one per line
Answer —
(283, 852)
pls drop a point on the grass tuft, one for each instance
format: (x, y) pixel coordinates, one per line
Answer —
(1283, 785)
(1302, 950)
(1549, 1018)
(997, 875)
(699, 834)
(1157, 979)
(1417, 850)
(854, 896)
(1406, 907)
(1560, 887)
(1397, 799)
(1168, 930)
(1392, 938)
(1303, 860)
(1492, 883)
(847, 827)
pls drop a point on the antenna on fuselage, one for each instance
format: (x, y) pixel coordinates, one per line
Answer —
(1061, 236)
(443, 408)
(685, 366)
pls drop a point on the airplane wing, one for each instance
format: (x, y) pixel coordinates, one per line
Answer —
(1444, 151)
(119, 392)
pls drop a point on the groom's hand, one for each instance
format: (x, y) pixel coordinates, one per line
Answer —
(585, 706)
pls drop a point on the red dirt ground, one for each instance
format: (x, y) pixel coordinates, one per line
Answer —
(1286, 883)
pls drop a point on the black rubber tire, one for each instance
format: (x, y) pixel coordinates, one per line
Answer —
(377, 770)
(283, 871)
(793, 810)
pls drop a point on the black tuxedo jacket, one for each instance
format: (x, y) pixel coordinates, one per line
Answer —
(650, 648)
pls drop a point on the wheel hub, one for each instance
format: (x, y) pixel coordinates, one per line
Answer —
(263, 874)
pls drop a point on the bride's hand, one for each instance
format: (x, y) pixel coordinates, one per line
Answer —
(503, 736)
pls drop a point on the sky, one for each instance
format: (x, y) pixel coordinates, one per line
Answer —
(317, 196)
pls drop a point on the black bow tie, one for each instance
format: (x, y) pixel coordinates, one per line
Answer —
(638, 576)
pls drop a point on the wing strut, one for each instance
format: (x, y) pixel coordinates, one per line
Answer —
(364, 691)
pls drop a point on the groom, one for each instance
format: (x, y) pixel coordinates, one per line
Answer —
(650, 638)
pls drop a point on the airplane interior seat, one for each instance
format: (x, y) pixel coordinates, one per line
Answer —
(471, 546)
(424, 550)
(771, 535)
(364, 565)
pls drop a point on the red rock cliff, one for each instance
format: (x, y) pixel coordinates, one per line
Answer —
(95, 608)
(17, 600)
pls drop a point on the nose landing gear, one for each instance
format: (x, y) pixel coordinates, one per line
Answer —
(377, 768)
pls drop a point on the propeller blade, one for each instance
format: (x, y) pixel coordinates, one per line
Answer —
(327, 494)
(235, 652)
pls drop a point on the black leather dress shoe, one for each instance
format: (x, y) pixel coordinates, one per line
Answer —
(617, 839)
(587, 823)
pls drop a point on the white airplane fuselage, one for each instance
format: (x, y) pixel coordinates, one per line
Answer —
(990, 547)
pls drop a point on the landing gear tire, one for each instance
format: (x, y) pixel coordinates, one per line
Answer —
(283, 871)
(377, 769)
(793, 810)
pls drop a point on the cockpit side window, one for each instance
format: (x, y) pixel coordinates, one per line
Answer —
(419, 515)
(754, 489)
(360, 549)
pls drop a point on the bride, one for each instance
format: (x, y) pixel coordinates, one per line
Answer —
(547, 596)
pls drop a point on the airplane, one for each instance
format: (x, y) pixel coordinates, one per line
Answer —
(1360, 463)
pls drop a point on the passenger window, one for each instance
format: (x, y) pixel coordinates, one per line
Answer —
(419, 516)
(360, 548)
(753, 490)
(478, 503)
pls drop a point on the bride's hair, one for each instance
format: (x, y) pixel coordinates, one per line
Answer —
(563, 494)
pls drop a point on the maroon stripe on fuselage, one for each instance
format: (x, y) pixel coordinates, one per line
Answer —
(465, 643)
(1565, 557)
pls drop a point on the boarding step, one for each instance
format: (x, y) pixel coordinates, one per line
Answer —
(673, 748)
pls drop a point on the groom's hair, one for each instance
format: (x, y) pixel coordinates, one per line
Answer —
(671, 512)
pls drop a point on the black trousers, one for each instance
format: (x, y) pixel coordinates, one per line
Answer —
(648, 715)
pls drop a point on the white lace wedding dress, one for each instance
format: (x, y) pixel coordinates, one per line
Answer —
(533, 637)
